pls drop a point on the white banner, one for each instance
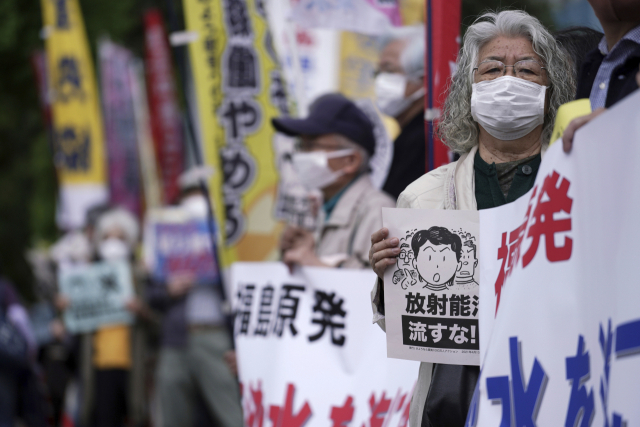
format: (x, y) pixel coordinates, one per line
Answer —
(431, 293)
(564, 349)
(308, 354)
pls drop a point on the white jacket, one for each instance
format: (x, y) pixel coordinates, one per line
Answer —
(451, 186)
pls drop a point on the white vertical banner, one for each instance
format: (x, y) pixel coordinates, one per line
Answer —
(309, 56)
(308, 354)
(564, 348)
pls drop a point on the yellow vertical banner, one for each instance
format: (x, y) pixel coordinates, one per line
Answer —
(239, 88)
(77, 122)
(412, 12)
(358, 62)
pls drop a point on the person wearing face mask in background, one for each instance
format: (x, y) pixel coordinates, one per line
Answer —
(499, 115)
(399, 87)
(192, 371)
(336, 143)
(611, 71)
(113, 359)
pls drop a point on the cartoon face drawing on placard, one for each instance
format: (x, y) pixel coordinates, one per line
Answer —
(469, 260)
(465, 278)
(437, 257)
(404, 257)
(405, 274)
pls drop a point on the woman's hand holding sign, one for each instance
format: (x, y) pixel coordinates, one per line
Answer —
(383, 251)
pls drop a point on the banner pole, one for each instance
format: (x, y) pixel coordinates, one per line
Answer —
(181, 60)
(429, 83)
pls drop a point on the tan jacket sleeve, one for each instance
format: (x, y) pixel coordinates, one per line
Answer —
(369, 218)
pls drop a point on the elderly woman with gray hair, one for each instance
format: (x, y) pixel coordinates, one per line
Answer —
(512, 77)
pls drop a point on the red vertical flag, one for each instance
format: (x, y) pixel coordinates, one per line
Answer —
(39, 64)
(166, 125)
(442, 44)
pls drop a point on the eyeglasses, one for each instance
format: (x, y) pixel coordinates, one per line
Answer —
(407, 255)
(527, 69)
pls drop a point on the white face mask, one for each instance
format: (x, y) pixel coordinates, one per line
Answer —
(313, 168)
(390, 89)
(508, 107)
(196, 206)
(113, 249)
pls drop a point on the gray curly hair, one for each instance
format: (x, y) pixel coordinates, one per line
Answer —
(457, 129)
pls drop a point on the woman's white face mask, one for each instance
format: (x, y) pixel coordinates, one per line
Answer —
(508, 107)
(113, 249)
(313, 168)
(390, 89)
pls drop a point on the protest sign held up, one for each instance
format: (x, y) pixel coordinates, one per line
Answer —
(176, 243)
(97, 295)
(432, 294)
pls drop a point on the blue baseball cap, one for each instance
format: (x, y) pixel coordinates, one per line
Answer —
(332, 113)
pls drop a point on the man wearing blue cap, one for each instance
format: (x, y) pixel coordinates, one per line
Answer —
(335, 144)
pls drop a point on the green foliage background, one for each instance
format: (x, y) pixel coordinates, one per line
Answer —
(28, 185)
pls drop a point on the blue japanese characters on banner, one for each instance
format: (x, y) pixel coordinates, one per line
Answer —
(560, 324)
(520, 394)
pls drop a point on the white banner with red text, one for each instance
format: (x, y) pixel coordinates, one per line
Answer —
(308, 354)
(558, 274)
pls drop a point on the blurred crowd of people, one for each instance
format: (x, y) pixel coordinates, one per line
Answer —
(169, 367)
(174, 365)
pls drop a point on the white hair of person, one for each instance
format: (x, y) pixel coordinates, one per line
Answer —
(364, 155)
(457, 129)
(118, 218)
(412, 56)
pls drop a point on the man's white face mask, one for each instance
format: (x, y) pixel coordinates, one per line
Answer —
(508, 107)
(313, 168)
(390, 89)
(196, 205)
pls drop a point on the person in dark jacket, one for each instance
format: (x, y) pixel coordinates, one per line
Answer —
(399, 89)
(192, 370)
(21, 388)
(609, 72)
(577, 42)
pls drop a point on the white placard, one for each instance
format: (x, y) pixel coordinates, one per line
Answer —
(308, 354)
(97, 295)
(431, 294)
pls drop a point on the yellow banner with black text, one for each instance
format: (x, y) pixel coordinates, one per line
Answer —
(239, 88)
(78, 137)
